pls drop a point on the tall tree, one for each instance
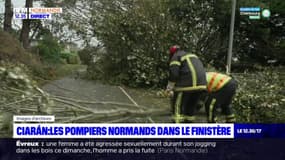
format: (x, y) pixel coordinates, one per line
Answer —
(8, 16)
(24, 37)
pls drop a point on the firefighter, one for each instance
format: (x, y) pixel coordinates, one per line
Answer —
(221, 90)
(187, 78)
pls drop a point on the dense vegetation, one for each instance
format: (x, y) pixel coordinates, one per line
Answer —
(261, 97)
(134, 37)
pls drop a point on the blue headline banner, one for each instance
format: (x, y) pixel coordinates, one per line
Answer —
(224, 131)
(125, 130)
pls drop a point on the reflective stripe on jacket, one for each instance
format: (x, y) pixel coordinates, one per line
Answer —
(187, 71)
(216, 81)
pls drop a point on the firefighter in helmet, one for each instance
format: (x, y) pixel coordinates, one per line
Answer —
(187, 79)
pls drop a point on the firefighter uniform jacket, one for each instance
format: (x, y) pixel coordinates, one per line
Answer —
(216, 81)
(187, 72)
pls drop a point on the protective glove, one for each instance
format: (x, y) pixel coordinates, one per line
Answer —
(170, 94)
(164, 93)
(169, 89)
(170, 86)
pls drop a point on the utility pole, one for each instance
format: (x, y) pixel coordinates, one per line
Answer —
(230, 50)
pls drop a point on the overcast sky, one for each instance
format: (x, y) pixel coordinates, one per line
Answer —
(16, 4)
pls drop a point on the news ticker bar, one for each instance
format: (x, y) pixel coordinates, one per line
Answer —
(134, 149)
(135, 130)
(35, 13)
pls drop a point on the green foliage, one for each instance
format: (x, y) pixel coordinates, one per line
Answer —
(146, 74)
(261, 97)
(86, 55)
(255, 41)
(49, 49)
(137, 35)
(103, 69)
(194, 27)
(70, 57)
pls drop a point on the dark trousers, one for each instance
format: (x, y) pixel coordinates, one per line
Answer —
(222, 99)
(184, 106)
